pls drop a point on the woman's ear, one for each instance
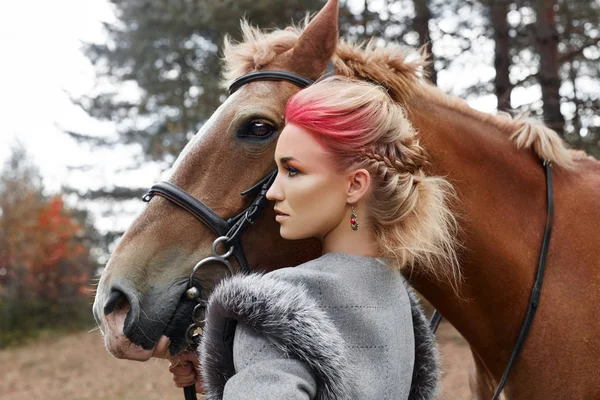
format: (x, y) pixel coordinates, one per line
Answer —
(359, 185)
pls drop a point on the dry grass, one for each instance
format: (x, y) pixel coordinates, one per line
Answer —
(78, 367)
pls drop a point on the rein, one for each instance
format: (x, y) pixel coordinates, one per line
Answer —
(534, 298)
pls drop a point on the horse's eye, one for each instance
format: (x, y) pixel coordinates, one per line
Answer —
(260, 129)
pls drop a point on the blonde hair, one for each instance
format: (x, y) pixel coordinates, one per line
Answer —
(361, 127)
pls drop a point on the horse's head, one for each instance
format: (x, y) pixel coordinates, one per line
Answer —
(143, 282)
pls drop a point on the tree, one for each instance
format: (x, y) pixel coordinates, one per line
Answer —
(502, 85)
(45, 256)
(20, 195)
(420, 24)
(166, 54)
(546, 39)
(557, 42)
(579, 46)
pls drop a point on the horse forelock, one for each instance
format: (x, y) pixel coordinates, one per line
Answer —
(257, 49)
(400, 68)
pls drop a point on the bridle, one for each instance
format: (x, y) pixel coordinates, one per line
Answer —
(229, 232)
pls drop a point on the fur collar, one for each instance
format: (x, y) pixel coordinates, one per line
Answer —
(426, 371)
(292, 321)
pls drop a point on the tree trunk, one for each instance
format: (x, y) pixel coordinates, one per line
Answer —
(547, 46)
(421, 26)
(576, 122)
(502, 85)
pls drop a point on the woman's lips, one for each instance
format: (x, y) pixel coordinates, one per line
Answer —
(280, 217)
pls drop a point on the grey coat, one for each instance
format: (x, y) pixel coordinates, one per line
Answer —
(338, 327)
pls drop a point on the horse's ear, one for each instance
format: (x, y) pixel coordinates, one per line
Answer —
(317, 44)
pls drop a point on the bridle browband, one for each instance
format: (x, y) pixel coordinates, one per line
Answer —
(229, 231)
(270, 75)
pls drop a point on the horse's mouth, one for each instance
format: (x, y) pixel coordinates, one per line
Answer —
(141, 327)
(121, 347)
(133, 335)
(171, 342)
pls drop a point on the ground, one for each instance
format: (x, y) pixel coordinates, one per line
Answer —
(77, 366)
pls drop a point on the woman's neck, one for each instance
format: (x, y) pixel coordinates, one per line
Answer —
(361, 242)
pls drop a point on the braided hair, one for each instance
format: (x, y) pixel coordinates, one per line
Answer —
(361, 127)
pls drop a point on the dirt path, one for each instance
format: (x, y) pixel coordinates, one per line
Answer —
(78, 367)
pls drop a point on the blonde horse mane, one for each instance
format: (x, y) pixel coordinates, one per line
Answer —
(402, 71)
(533, 134)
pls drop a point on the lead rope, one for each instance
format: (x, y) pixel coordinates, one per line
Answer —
(534, 299)
(189, 392)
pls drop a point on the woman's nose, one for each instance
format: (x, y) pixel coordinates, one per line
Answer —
(274, 192)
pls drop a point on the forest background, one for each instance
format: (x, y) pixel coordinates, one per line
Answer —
(157, 74)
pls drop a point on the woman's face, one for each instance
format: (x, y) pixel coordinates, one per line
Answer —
(310, 196)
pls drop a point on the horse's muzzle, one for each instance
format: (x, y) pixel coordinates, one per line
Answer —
(133, 324)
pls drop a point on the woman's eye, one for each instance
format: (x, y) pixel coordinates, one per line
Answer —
(260, 129)
(292, 171)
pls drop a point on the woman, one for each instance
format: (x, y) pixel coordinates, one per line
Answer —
(343, 326)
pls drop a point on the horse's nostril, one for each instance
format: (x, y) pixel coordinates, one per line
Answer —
(116, 300)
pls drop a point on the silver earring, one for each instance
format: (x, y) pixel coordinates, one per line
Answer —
(353, 219)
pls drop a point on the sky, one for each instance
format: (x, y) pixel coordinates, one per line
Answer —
(42, 62)
(41, 66)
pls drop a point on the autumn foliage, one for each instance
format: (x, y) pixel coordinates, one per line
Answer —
(43, 250)
(45, 261)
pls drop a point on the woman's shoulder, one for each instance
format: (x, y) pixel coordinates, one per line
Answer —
(335, 264)
(329, 262)
(346, 275)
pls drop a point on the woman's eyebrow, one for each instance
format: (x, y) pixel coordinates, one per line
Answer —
(283, 160)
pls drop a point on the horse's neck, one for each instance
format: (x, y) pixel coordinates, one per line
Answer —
(500, 207)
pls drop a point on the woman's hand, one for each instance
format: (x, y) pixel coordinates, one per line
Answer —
(184, 367)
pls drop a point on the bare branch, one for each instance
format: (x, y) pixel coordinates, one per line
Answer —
(576, 53)
(91, 140)
(116, 193)
(527, 79)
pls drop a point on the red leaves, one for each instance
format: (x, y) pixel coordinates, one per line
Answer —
(42, 240)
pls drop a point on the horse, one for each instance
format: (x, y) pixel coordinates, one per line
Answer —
(493, 162)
